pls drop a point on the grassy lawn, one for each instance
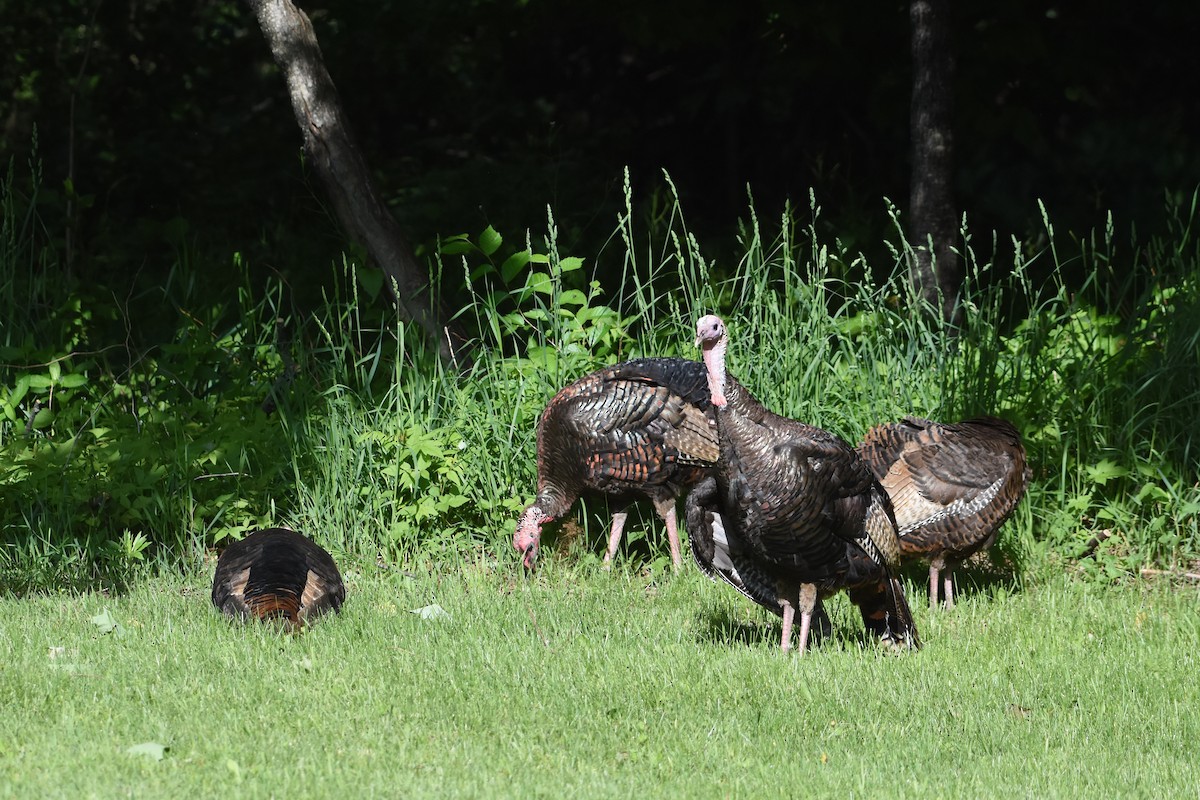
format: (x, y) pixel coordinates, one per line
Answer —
(583, 683)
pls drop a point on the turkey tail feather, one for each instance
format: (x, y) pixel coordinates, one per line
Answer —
(277, 605)
(901, 625)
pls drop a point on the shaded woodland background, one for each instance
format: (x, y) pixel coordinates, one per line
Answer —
(164, 131)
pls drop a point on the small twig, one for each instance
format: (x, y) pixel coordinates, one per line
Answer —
(450, 347)
(1147, 572)
(218, 475)
(33, 412)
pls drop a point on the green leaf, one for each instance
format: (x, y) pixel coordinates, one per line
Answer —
(572, 297)
(55, 371)
(371, 281)
(539, 282)
(513, 265)
(456, 245)
(107, 624)
(43, 418)
(72, 380)
(39, 382)
(19, 390)
(570, 263)
(490, 241)
(152, 750)
(9, 412)
(1105, 471)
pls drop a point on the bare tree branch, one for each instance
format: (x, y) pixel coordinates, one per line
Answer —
(339, 163)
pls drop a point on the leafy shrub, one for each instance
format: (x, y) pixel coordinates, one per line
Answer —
(114, 457)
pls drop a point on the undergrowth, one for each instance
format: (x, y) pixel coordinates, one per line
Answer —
(338, 421)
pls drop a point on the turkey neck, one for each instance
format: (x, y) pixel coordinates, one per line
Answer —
(714, 360)
(553, 501)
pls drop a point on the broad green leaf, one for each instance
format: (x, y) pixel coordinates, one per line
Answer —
(55, 371)
(483, 269)
(540, 282)
(572, 297)
(513, 265)
(456, 245)
(39, 382)
(72, 380)
(490, 240)
(570, 263)
(20, 389)
(371, 281)
(106, 623)
(43, 418)
(1105, 471)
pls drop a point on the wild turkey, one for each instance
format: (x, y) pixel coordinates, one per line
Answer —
(800, 511)
(277, 574)
(952, 487)
(643, 427)
(710, 549)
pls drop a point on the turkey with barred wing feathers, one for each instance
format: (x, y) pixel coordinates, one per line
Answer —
(799, 511)
(952, 486)
(277, 574)
(640, 428)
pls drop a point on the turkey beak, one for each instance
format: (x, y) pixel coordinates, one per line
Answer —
(530, 557)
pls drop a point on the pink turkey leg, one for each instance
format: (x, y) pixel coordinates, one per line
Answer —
(672, 534)
(808, 601)
(614, 538)
(789, 614)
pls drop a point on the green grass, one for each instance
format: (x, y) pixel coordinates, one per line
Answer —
(583, 683)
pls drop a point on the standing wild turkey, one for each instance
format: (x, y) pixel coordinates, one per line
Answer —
(643, 427)
(277, 574)
(710, 548)
(952, 487)
(800, 512)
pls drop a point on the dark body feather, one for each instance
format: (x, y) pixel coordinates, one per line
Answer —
(277, 574)
(642, 428)
(952, 486)
(801, 513)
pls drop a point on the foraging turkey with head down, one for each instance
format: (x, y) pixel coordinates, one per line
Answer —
(952, 487)
(277, 574)
(640, 428)
(800, 512)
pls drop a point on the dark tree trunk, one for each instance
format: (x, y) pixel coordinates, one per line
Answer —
(931, 213)
(331, 147)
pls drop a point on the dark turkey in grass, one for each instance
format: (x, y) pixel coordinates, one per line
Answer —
(952, 486)
(642, 428)
(800, 513)
(277, 574)
(711, 550)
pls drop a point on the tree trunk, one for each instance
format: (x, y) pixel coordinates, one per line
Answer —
(331, 148)
(931, 214)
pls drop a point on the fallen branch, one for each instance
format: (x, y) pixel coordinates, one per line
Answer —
(1100, 538)
(1147, 572)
